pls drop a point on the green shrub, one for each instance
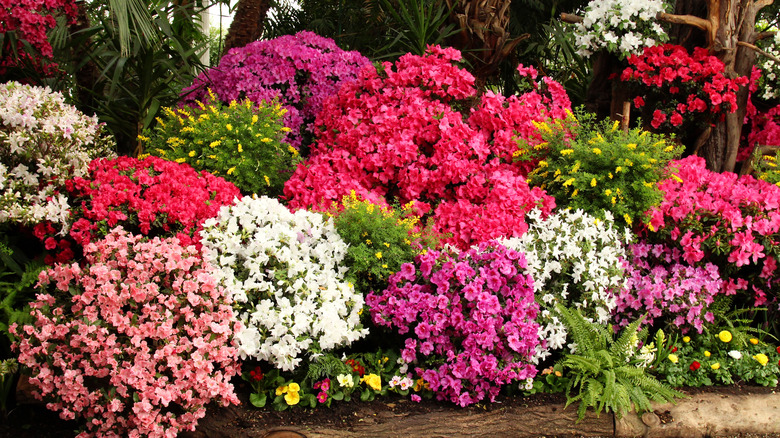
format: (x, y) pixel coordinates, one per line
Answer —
(608, 373)
(239, 142)
(380, 240)
(595, 166)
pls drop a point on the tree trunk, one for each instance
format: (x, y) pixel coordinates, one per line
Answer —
(247, 25)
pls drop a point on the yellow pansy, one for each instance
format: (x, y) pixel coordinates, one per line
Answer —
(281, 390)
(292, 398)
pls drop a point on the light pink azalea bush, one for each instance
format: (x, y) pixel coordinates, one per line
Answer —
(730, 221)
(301, 70)
(663, 287)
(469, 320)
(418, 131)
(152, 197)
(137, 341)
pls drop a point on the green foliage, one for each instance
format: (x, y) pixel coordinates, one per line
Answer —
(416, 24)
(766, 168)
(240, 142)
(597, 167)
(605, 372)
(380, 240)
(18, 276)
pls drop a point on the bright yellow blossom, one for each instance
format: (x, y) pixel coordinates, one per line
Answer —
(725, 336)
(373, 381)
(762, 359)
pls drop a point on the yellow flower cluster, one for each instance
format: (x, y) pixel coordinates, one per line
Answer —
(373, 381)
(291, 393)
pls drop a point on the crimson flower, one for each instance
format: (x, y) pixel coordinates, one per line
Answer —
(695, 366)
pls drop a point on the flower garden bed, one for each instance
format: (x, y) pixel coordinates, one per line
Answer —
(419, 246)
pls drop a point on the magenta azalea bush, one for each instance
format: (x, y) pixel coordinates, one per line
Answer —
(661, 286)
(300, 70)
(137, 341)
(417, 131)
(721, 218)
(469, 320)
(150, 196)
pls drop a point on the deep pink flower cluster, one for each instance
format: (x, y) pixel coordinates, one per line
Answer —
(663, 286)
(301, 70)
(680, 84)
(150, 196)
(470, 319)
(137, 341)
(30, 20)
(728, 220)
(416, 131)
(765, 130)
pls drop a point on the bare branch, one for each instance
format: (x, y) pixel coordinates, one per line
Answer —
(762, 3)
(765, 35)
(752, 47)
(571, 18)
(691, 20)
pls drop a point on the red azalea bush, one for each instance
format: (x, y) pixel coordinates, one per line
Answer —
(150, 196)
(730, 221)
(679, 86)
(417, 131)
(137, 341)
(30, 21)
(469, 320)
(301, 70)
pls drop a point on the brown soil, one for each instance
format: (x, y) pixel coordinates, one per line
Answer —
(32, 420)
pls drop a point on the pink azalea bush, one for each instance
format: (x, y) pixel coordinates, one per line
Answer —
(661, 285)
(137, 341)
(469, 320)
(418, 131)
(679, 85)
(721, 218)
(301, 70)
(150, 196)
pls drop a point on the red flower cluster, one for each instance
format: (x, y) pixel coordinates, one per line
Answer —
(680, 84)
(30, 20)
(150, 197)
(356, 367)
(695, 366)
(256, 374)
(413, 132)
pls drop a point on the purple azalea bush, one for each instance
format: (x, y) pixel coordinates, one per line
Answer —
(300, 70)
(469, 320)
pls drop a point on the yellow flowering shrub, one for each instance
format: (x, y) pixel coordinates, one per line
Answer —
(241, 142)
(596, 166)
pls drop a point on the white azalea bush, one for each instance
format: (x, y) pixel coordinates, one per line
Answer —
(768, 88)
(284, 273)
(43, 142)
(576, 260)
(622, 27)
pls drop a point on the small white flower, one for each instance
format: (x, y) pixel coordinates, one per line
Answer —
(735, 354)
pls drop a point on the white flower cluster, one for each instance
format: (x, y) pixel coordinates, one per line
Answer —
(622, 27)
(768, 88)
(282, 271)
(574, 259)
(43, 142)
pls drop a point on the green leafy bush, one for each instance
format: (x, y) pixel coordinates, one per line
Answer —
(239, 142)
(607, 373)
(594, 166)
(380, 240)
